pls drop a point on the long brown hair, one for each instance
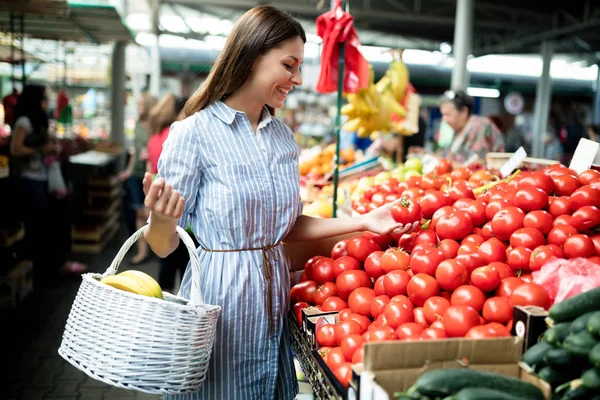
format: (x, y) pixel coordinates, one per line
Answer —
(259, 30)
(162, 115)
(148, 101)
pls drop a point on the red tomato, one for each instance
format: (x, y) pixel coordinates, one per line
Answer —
(360, 301)
(378, 287)
(540, 256)
(579, 246)
(586, 177)
(538, 179)
(504, 271)
(322, 271)
(323, 352)
(585, 196)
(303, 291)
(434, 308)
(397, 313)
(373, 265)
(527, 237)
(298, 307)
(468, 248)
(494, 206)
(586, 218)
(433, 333)
(358, 356)
(325, 335)
(396, 282)
(486, 231)
(559, 234)
(458, 319)
(460, 174)
(565, 184)
(324, 292)
(394, 259)
(559, 206)
(498, 330)
(468, 295)
(348, 281)
(335, 357)
(378, 305)
(345, 328)
(389, 185)
(343, 373)
(360, 247)
(492, 250)
(455, 225)
(409, 330)
(485, 278)
(443, 166)
(479, 332)
(383, 241)
(426, 260)
(431, 181)
(420, 316)
(439, 324)
(421, 287)
(309, 264)
(474, 238)
(333, 303)
(451, 274)
(363, 321)
(439, 214)
(476, 210)
(460, 190)
(531, 198)
(470, 261)
(345, 263)
(433, 200)
(340, 249)
(497, 309)
(540, 220)
(596, 240)
(449, 248)
(506, 221)
(519, 258)
(562, 220)
(380, 334)
(350, 344)
(406, 211)
(345, 314)
(529, 294)
(425, 237)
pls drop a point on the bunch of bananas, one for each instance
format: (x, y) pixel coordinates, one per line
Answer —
(382, 106)
(135, 282)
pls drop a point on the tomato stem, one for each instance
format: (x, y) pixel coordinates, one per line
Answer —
(482, 189)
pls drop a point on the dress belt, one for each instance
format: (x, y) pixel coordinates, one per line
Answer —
(269, 256)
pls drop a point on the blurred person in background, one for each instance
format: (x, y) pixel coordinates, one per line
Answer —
(45, 216)
(592, 133)
(134, 173)
(160, 119)
(473, 134)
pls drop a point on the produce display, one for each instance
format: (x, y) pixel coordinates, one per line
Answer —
(459, 275)
(136, 282)
(568, 357)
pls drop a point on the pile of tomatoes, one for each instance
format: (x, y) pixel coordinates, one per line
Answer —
(462, 273)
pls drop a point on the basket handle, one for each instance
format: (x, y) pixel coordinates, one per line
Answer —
(195, 293)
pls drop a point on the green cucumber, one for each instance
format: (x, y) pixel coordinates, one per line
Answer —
(593, 324)
(446, 382)
(472, 393)
(580, 323)
(556, 334)
(553, 377)
(578, 393)
(594, 356)
(580, 344)
(575, 306)
(559, 358)
(591, 379)
(535, 355)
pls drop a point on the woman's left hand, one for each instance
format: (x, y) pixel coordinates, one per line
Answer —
(380, 221)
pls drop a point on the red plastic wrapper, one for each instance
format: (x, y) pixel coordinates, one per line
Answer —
(566, 278)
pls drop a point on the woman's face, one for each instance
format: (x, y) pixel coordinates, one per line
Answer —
(453, 117)
(277, 72)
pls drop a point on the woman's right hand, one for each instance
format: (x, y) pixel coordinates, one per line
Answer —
(164, 202)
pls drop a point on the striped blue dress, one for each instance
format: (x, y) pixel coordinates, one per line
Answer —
(242, 191)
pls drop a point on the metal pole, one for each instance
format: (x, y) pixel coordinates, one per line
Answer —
(463, 42)
(338, 121)
(596, 113)
(155, 50)
(117, 94)
(542, 101)
(23, 77)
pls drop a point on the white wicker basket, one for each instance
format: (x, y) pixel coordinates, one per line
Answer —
(137, 342)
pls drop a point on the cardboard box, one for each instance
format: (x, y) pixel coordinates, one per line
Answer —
(391, 367)
(16, 284)
(300, 252)
(529, 323)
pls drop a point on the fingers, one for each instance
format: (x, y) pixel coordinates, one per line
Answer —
(146, 182)
(172, 203)
(179, 208)
(153, 193)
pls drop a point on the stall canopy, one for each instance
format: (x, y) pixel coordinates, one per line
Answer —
(64, 21)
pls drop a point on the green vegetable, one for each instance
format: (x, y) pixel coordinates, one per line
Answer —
(534, 356)
(556, 334)
(594, 356)
(472, 393)
(580, 323)
(591, 379)
(575, 306)
(559, 358)
(446, 382)
(578, 393)
(580, 344)
(553, 377)
(593, 324)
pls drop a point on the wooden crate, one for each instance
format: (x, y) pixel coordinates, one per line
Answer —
(496, 160)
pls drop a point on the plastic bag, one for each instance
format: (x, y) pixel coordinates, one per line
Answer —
(56, 183)
(566, 278)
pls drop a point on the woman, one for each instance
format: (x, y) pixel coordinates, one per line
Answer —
(230, 169)
(134, 173)
(30, 146)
